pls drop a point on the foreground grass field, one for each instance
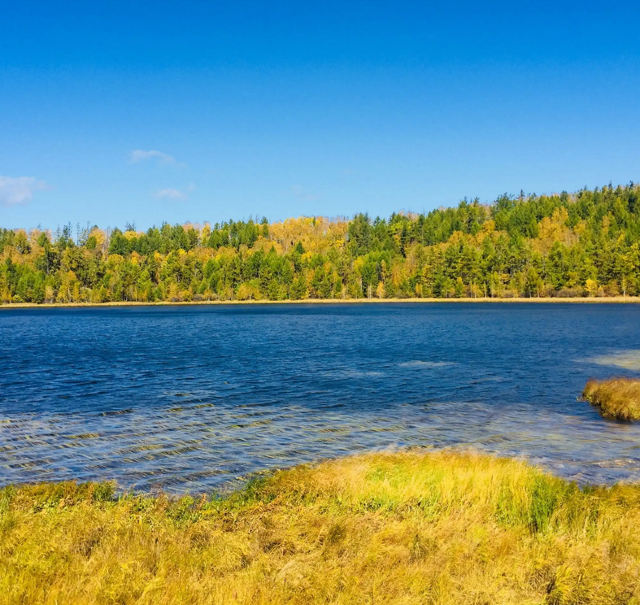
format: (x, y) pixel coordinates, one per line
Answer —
(617, 398)
(404, 528)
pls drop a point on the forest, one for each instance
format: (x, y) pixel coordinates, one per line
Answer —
(585, 244)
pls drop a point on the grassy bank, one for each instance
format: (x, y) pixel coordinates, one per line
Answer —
(321, 301)
(436, 528)
(618, 398)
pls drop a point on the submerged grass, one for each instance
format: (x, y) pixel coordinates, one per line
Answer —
(617, 398)
(404, 528)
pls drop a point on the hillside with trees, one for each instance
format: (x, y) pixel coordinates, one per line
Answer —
(566, 245)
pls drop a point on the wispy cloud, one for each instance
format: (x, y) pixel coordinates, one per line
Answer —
(171, 194)
(303, 194)
(175, 194)
(140, 155)
(19, 190)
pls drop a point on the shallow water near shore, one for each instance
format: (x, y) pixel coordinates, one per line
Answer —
(197, 398)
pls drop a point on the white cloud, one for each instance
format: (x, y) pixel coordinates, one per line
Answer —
(139, 155)
(171, 194)
(19, 190)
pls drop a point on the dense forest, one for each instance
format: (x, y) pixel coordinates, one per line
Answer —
(566, 245)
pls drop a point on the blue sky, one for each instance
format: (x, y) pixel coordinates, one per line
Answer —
(203, 111)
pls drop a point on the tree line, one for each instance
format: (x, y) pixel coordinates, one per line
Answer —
(564, 245)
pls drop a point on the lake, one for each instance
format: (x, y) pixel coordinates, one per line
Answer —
(198, 398)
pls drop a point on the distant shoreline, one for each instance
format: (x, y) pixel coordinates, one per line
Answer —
(325, 301)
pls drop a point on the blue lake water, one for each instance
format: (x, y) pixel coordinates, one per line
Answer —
(196, 398)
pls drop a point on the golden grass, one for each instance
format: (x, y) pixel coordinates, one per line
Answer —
(405, 528)
(617, 398)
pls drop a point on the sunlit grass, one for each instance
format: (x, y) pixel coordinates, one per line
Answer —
(618, 398)
(405, 528)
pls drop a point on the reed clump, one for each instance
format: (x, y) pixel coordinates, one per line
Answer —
(435, 528)
(618, 398)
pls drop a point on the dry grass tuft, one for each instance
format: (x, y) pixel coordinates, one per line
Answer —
(617, 398)
(436, 528)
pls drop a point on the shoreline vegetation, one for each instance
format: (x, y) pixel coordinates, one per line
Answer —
(338, 301)
(435, 527)
(617, 398)
(584, 245)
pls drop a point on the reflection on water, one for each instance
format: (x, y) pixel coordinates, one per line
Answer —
(629, 360)
(196, 398)
(425, 364)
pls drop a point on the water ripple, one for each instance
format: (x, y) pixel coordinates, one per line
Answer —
(198, 398)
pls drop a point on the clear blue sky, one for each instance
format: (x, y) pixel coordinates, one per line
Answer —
(114, 112)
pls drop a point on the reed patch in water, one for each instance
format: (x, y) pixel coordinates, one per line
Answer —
(618, 398)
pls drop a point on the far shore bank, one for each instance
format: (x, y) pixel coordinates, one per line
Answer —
(330, 301)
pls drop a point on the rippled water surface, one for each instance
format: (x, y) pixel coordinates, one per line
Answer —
(196, 398)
